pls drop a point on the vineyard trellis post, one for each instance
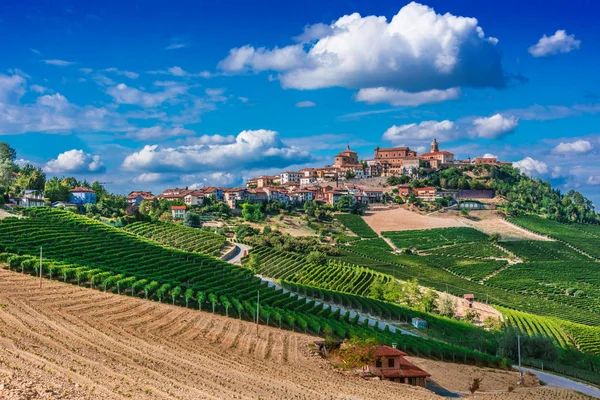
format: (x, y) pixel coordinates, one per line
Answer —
(519, 351)
(40, 267)
(257, 310)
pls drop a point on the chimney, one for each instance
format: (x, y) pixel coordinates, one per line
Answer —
(394, 345)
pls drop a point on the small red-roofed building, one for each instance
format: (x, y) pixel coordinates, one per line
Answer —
(178, 211)
(391, 365)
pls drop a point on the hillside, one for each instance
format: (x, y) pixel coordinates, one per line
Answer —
(64, 341)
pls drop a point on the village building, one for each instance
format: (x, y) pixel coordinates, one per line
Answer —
(178, 212)
(346, 157)
(391, 365)
(135, 198)
(195, 198)
(257, 195)
(233, 196)
(489, 160)
(82, 195)
(176, 194)
(290, 176)
(436, 158)
(31, 198)
(426, 193)
(396, 160)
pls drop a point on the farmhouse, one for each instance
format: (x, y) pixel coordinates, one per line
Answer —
(178, 211)
(32, 198)
(391, 365)
(426, 193)
(82, 195)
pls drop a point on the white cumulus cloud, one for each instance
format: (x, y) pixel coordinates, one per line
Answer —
(576, 147)
(560, 42)
(60, 63)
(417, 50)
(424, 130)
(148, 177)
(74, 161)
(594, 180)
(494, 127)
(251, 149)
(531, 167)
(402, 98)
(124, 94)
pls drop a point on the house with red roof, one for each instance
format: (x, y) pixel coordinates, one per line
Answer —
(135, 198)
(437, 158)
(390, 365)
(178, 211)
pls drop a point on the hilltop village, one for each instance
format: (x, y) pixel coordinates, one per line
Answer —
(329, 183)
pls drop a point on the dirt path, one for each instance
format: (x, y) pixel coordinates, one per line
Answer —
(506, 230)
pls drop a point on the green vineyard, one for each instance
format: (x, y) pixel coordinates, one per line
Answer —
(580, 236)
(180, 237)
(529, 324)
(431, 238)
(74, 249)
(357, 225)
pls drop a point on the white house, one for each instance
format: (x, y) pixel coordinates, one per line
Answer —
(291, 176)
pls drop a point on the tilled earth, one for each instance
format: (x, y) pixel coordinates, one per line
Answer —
(69, 342)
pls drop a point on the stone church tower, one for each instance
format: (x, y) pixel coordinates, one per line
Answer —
(434, 146)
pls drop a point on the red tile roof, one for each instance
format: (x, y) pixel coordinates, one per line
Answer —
(387, 351)
(178, 207)
(80, 189)
(406, 370)
(435, 153)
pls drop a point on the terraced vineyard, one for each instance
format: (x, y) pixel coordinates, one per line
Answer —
(581, 236)
(357, 225)
(532, 250)
(532, 325)
(436, 273)
(479, 249)
(431, 238)
(586, 338)
(82, 251)
(181, 237)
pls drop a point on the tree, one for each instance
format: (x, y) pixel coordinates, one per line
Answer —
(474, 386)
(30, 177)
(447, 305)
(192, 220)
(212, 298)
(175, 293)
(251, 212)
(200, 298)
(350, 174)
(7, 153)
(54, 190)
(358, 353)
(6, 173)
(344, 203)
(317, 258)
(188, 295)
(471, 315)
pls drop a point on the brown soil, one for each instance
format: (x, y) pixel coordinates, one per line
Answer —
(68, 342)
(490, 224)
(400, 219)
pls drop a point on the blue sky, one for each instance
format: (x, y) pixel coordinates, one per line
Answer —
(193, 93)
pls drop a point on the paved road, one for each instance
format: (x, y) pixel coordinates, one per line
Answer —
(241, 251)
(564, 383)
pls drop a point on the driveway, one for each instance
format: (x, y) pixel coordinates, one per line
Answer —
(564, 383)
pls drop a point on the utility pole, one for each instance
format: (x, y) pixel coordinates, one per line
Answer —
(520, 370)
(257, 310)
(40, 267)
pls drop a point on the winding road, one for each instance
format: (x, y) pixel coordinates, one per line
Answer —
(563, 383)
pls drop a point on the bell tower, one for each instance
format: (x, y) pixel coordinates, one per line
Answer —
(434, 146)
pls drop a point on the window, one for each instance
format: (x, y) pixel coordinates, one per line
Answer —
(391, 363)
(378, 363)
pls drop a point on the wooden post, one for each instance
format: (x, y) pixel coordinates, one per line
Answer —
(40, 267)
(257, 310)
